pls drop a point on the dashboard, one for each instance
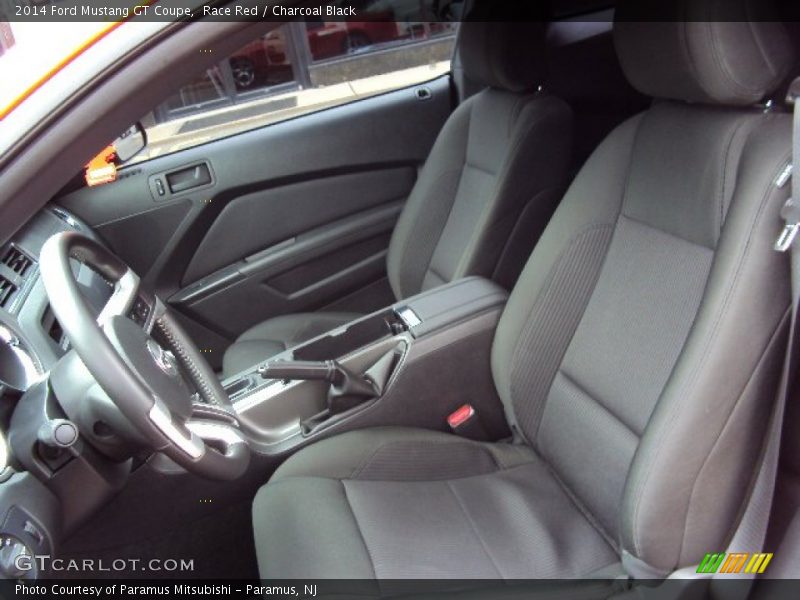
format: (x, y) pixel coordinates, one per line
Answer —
(37, 499)
(31, 339)
(31, 342)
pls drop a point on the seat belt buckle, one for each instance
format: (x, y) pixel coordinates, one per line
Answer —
(464, 421)
(791, 215)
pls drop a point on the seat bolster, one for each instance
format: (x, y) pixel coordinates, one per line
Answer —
(532, 178)
(400, 454)
(427, 208)
(579, 232)
(691, 473)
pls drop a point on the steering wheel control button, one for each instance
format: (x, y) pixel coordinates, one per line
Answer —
(140, 312)
(58, 433)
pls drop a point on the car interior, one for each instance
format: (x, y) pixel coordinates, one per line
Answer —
(528, 324)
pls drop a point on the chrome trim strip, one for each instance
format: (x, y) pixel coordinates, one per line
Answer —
(160, 417)
(408, 316)
(215, 432)
(268, 391)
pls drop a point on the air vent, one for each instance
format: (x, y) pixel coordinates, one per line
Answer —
(7, 291)
(17, 261)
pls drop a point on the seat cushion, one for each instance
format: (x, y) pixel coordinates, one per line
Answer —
(276, 335)
(396, 503)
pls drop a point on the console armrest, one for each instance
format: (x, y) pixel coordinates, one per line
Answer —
(450, 304)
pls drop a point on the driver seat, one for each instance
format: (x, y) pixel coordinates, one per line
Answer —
(637, 358)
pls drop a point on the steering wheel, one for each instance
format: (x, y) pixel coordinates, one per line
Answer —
(141, 377)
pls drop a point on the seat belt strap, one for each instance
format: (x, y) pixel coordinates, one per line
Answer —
(751, 533)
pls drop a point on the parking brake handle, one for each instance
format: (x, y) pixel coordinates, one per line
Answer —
(347, 389)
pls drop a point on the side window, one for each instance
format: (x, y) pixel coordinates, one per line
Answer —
(297, 69)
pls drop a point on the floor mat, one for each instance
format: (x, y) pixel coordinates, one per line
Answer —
(214, 547)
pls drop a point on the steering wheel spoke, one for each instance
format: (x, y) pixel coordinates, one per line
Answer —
(162, 419)
(214, 446)
(122, 299)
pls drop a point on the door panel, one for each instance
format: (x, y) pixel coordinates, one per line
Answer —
(327, 263)
(291, 217)
(261, 219)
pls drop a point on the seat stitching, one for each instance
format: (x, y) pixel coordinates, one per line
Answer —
(540, 298)
(477, 167)
(474, 528)
(612, 228)
(360, 469)
(453, 189)
(683, 36)
(367, 460)
(724, 170)
(664, 231)
(611, 223)
(358, 528)
(442, 175)
(579, 506)
(773, 67)
(406, 243)
(435, 272)
(742, 90)
(501, 177)
(719, 218)
(596, 399)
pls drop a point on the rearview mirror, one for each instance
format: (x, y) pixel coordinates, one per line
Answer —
(130, 143)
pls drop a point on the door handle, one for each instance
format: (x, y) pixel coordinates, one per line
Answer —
(189, 178)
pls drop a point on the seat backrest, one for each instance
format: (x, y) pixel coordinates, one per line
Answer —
(640, 349)
(503, 151)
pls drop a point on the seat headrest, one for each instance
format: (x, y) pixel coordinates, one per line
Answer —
(505, 55)
(714, 51)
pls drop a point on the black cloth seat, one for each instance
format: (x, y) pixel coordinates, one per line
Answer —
(637, 357)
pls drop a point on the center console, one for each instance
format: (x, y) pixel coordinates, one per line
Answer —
(411, 364)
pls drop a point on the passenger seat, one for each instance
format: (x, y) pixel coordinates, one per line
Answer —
(505, 148)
